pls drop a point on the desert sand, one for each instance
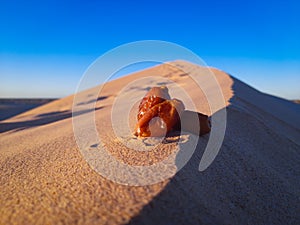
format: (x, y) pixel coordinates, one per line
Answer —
(255, 178)
(13, 107)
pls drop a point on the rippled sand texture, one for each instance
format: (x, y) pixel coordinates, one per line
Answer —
(254, 179)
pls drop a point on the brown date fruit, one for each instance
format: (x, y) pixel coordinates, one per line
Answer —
(160, 119)
(188, 120)
(159, 114)
(153, 97)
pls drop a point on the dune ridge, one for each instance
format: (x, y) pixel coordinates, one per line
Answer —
(253, 180)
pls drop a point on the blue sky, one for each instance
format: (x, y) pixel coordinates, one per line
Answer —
(45, 46)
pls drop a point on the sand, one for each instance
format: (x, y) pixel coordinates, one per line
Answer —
(13, 107)
(255, 178)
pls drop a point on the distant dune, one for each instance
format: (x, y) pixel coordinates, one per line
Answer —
(12, 107)
(255, 178)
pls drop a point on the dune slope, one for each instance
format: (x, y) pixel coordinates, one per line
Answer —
(254, 179)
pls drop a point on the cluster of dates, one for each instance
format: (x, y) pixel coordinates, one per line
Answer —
(159, 114)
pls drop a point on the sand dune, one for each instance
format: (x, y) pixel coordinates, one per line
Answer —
(12, 107)
(255, 178)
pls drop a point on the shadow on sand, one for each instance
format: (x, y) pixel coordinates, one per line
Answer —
(41, 119)
(237, 188)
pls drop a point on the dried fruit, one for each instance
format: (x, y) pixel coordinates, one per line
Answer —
(154, 96)
(159, 114)
(159, 119)
(188, 119)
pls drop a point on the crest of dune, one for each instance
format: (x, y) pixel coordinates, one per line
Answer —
(254, 179)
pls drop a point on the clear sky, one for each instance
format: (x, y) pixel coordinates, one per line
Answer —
(45, 46)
